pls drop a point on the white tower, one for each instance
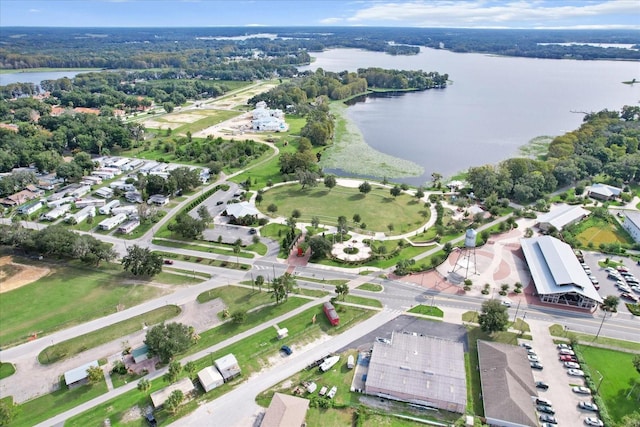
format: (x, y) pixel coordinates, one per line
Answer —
(465, 254)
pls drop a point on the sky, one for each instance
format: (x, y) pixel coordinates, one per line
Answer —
(544, 14)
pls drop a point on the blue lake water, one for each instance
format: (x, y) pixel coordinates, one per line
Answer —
(493, 106)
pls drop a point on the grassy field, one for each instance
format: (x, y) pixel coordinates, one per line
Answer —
(203, 247)
(427, 310)
(6, 370)
(69, 295)
(237, 297)
(558, 331)
(41, 408)
(378, 210)
(93, 339)
(594, 231)
(353, 299)
(619, 377)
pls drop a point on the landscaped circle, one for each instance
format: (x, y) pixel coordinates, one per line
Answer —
(351, 250)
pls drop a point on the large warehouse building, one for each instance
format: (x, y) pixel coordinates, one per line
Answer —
(419, 369)
(557, 274)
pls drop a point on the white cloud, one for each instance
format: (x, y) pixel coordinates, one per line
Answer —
(35, 10)
(484, 13)
(330, 21)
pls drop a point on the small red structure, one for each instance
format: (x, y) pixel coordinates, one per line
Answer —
(331, 313)
(300, 251)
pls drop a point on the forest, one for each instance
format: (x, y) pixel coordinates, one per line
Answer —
(203, 49)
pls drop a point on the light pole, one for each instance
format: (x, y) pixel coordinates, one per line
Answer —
(604, 316)
(600, 382)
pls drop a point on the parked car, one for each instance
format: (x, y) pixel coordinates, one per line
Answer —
(526, 345)
(615, 276)
(629, 296)
(542, 401)
(572, 365)
(635, 288)
(566, 352)
(542, 385)
(287, 350)
(581, 390)
(610, 269)
(565, 358)
(532, 358)
(544, 409)
(575, 372)
(252, 231)
(536, 365)
(151, 420)
(622, 268)
(531, 352)
(588, 406)
(564, 347)
(546, 418)
(593, 421)
(219, 202)
(168, 261)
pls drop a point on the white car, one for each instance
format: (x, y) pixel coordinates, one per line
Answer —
(533, 358)
(572, 365)
(593, 421)
(575, 372)
(588, 406)
(567, 352)
(581, 390)
(564, 347)
(636, 289)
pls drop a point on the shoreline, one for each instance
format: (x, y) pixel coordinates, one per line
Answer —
(349, 144)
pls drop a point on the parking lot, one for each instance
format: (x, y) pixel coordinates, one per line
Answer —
(607, 285)
(554, 373)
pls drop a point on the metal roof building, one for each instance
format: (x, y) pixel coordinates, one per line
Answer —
(557, 274)
(419, 369)
(631, 223)
(507, 385)
(159, 397)
(239, 210)
(210, 378)
(562, 216)
(74, 376)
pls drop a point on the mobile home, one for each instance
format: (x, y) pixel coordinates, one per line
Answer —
(113, 221)
(106, 209)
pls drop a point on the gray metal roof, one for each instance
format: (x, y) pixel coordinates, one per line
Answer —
(428, 368)
(563, 215)
(507, 383)
(555, 268)
(241, 209)
(633, 217)
(79, 373)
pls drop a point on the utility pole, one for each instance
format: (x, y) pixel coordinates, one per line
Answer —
(601, 323)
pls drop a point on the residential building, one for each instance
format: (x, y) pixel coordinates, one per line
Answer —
(106, 209)
(285, 411)
(210, 378)
(158, 200)
(104, 192)
(228, 367)
(112, 222)
(19, 198)
(604, 192)
(30, 208)
(129, 226)
(82, 214)
(78, 376)
(159, 397)
(57, 212)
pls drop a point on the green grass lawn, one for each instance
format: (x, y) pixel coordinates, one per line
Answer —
(427, 310)
(594, 231)
(6, 370)
(93, 339)
(372, 287)
(558, 331)
(238, 298)
(203, 247)
(44, 407)
(378, 209)
(71, 294)
(353, 299)
(619, 377)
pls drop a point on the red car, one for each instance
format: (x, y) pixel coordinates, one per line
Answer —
(168, 261)
(565, 358)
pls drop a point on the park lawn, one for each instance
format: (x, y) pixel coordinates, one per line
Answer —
(406, 253)
(619, 376)
(172, 270)
(267, 168)
(427, 310)
(209, 118)
(558, 331)
(379, 210)
(70, 295)
(70, 348)
(594, 231)
(208, 261)
(44, 407)
(169, 278)
(6, 370)
(354, 299)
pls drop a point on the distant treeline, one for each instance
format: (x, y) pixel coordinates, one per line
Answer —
(200, 49)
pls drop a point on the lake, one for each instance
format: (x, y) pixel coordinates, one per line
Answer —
(493, 106)
(38, 76)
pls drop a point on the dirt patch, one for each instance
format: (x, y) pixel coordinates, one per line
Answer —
(14, 275)
(132, 414)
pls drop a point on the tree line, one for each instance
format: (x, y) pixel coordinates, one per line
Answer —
(606, 143)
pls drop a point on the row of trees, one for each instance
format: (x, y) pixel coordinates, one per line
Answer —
(56, 241)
